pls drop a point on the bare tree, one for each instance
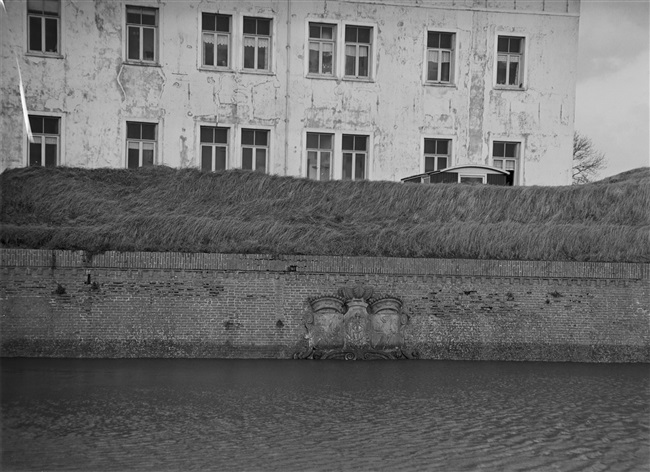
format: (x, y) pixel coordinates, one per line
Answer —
(587, 160)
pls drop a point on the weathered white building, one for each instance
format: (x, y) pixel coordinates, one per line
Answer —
(375, 89)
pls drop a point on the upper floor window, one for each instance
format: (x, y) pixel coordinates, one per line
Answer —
(510, 60)
(44, 150)
(319, 156)
(216, 40)
(140, 144)
(255, 149)
(358, 42)
(141, 36)
(436, 154)
(322, 45)
(257, 43)
(43, 18)
(440, 57)
(214, 148)
(355, 157)
(505, 155)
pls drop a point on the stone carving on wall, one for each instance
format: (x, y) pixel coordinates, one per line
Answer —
(354, 325)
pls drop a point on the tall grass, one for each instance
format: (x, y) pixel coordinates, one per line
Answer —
(163, 209)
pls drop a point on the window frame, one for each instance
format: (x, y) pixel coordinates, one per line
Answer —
(59, 136)
(216, 33)
(157, 44)
(354, 155)
(436, 156)
(271, 57)
(335, 45)
(157, 158)
(453, 59)
(59, 36)
(517, 176)
(522, 55)
(319, 151)
(255, 147)
(371, 52)
(227, 146)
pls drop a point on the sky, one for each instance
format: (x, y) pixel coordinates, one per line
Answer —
(612, 95)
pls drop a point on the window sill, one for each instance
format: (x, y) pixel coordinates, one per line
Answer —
(321, 77)
(43, 55)
(257, 72)
(359, 79)
(440, 84)
(215, 69)
(142, 64)
(510, 88)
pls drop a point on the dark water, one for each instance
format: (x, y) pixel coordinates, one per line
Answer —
(62, 414)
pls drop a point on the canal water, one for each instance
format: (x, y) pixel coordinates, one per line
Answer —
(230, 415)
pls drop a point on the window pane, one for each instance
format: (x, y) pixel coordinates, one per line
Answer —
(445, 40)
(221, 135)
(222, 51)
(429, 164)
(314, 31)
(348, 142)
(220, 158)
(363, 61)
(442, 163)
(515, 45)
(134, 43)
(350, 34)
(433, 40)
(502, 44)
(347, 166)
(133, 16)
(207, 134)
(208, 22)
(442, 146)
(312, 165)
(324, 166)
(51, 7)
(223, 23)
(325, 141)
(247, 136)
(206, 158)
(364, 35)
(430, 146)
(264, 27)
(148, 44)
(444, 72)
(359, 167)
(133, 130)
(36, 124)
(262, 53)
(50, 152)
(510, 165)
(260, 160)
(261, 138)
(249, 53)
(51, 35)
(35, 152)
(312, 141)
(360, 143)
(327, 32)
(35, 39)
(327, 58)
(35, 6)
(513, 78)
(51, 125)
(350, 60)
(148, 131)
(148, 17)
(247, 159)
(133, 157)
(208, 49)
(498, 163)
(501, 70)
(314, 57)
(498, 149)
(432, 70)
(511, 150)
(147, 154)
(250, 26)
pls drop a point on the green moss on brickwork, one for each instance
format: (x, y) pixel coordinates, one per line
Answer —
(162, 209)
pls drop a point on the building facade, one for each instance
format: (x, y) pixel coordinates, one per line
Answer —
(365, 89)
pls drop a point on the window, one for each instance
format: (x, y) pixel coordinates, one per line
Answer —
(255, 149)
(216, 40)
(43, 26)
(440, 56)
(142, 26)
(44, 151)
(510, 58)
(214, 148)
(322, 44)
(257, 43)
(436, 154)
(357, 51)
(140, 144)
(505, 155)
(319, 156)
(471, 179)
(355, 155)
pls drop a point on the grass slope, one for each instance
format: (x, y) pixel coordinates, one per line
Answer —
(163, 209)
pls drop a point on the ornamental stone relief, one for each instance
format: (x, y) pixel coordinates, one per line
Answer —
(355, 324)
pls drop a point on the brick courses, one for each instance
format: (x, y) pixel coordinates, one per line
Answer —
(74, 304)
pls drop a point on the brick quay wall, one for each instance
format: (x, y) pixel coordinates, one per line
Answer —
(74, 304)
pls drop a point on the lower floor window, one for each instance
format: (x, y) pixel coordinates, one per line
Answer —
(319, 156)
(140, 144)
(214, 148)
(44, 150)
(436, 154)
(355, 157)
(505, 155)
(255, 149)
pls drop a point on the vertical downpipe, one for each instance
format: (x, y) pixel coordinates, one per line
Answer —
(287, 96)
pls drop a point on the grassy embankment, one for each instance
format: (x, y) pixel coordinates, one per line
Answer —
(163, 209)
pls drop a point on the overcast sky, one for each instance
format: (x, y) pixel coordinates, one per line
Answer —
(612, 99)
